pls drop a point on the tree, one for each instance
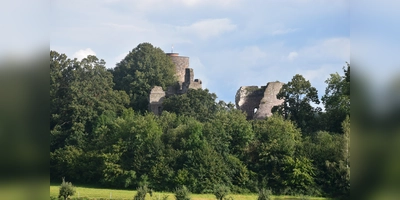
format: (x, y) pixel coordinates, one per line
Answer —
(143, 68)
(141, 193)
(298, 94)
(66, 189)
(220, 191)
(337, 100)
(229, 132)
(330, 153)
(80, 91)
(197, 103)
(264, 194)
(275, 156)
(182, 193)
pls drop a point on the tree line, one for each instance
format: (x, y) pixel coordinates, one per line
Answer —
(101, 132)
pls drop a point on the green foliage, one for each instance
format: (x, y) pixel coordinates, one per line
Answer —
(141, 192)
(80, 92)
(346, 138)
(299, 175)
(143, 68)
(264, 194)
(163, 197)
(182, 193)
(277, 136)
(337, 100)
(195, 142)
(197, 103)
(66, 189)
(273, 155)
(65, 162)
(229, 132)
(304, 197)
(298, 94)
(331, 157)
(199, 166)
(221, 191)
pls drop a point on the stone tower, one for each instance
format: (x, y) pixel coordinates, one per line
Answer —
(181, 63)
(185, 81)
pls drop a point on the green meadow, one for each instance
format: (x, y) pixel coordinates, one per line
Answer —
(102, 193)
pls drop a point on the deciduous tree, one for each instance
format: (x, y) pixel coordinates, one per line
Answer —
(143, 68)
(298, 94)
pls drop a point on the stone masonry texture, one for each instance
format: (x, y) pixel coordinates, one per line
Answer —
(257, 102)
(185, 81)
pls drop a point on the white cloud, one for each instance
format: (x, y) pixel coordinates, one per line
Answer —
(317, 75)
(331, 48)
(251, 55)
(208, 28)
(223, 3)
(127, 27)
(283, 31)
(236, 42)
(83, 53)
(292, 55)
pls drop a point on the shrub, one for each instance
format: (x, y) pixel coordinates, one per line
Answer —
(141, 193)
(304, 197)
(163, 197)
(220, 191)
(182, 193)
(66, 189)
(264, 194)
(229, 198)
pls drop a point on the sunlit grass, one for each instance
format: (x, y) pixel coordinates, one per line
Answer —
(97, 193)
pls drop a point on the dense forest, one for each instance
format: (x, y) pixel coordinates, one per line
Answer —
(101, 132)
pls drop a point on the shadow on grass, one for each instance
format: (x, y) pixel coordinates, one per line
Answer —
(91, 186)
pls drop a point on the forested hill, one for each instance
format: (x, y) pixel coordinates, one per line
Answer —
(102, 134)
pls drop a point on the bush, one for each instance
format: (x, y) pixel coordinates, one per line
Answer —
(163, 197)
(66, 189)
(304, 197)
(264, 194)
(220, 191)
(182, 193)
(141, 193)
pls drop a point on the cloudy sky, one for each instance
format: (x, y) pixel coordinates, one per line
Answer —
(231, 43)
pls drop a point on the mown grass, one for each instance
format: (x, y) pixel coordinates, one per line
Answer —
(101, 193)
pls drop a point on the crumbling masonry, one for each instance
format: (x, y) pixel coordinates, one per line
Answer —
(185, 81)
(258, 102)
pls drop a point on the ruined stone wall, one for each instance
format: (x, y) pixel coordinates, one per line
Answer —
(248, 98)
(269, 100)
(186, 81)
(190, 82)
(258, 102)
(196, 84)
(157, 96)
(189, 76)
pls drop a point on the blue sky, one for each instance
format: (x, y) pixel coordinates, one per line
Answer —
(231, 43)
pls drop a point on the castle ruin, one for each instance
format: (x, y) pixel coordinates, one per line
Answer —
(185, 81)
(258, 102)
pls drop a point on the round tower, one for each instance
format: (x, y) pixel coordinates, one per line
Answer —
(181, 63)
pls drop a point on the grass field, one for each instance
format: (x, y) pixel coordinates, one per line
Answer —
(97, 193)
